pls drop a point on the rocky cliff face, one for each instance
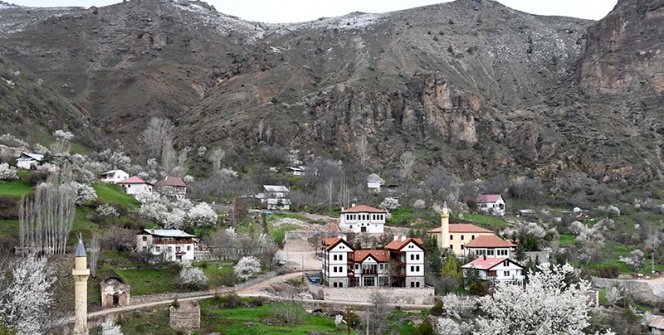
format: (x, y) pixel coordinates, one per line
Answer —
(472, 84)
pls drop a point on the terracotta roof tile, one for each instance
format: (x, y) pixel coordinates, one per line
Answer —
(362, 209)
(171, 181)
(484, 263)
(489, 241)
(379, 255)
(399, 243)
(487, 198)
(134, 180)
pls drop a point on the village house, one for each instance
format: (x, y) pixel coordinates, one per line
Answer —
(374, 182)
(400, 264)
(454, 237)
(172, 245)
(276, 197)
(114, 176)
(172, 187)
(29, 160)
(135, 185)
(296, 170)
(491, 203)
(655, 324)
(494, 269)
(489, 246)
(362, 219)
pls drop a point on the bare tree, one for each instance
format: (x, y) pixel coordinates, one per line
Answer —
(329, 192)
(441, 183)
(362, 145)
(46, 218)
(259, 129)
(216, 157)
(168, 159)
(406, 163)
(157, 134)
(94, 254)
(344, 194)
(376, 314)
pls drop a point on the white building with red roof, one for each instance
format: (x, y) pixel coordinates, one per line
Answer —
(491, 203)
(362, 219)
(489, 246)
(172, 245)
(135, 185)
(400, 264)
(495, 269)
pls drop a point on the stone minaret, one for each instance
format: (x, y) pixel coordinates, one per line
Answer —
(444, 228)
(81, 274)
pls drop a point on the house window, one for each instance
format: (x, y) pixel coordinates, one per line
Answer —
(506, 263)
(412, 284)
(472, 237)
(145, 238)
(177, 248)
(188, 248)
(451, 237)
(412, 257)
(412, 268)
(341, 257)
(335, 284)
(462, 247)
(341, 284)
(157, 249)
(417, 268)
(417, 284)
(417, 257)
(357, 266)
(506, 273)
(335, 257)
(462, 237)
(382, 266)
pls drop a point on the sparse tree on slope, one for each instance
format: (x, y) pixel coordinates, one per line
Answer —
(548, 305)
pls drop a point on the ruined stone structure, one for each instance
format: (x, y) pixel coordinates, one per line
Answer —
(186, 318)
(115, 292)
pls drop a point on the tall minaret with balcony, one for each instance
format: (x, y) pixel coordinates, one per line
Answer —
(81, 274)
(444, 228)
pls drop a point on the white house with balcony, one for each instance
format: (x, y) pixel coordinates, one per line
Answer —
(172, 245)
(400, 264)
(276, 197)
(362, 219)
(495, 269)
(114, 176)
(489, 246)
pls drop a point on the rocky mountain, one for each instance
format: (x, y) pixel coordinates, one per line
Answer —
(473, 85)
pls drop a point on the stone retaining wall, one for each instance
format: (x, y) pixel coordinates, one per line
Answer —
(396, 295)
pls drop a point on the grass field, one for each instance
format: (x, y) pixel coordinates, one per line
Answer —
(489, 220)
(110, 194)
(15, 189)
(151, 281)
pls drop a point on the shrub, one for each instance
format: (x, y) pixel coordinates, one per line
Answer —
(437, 308)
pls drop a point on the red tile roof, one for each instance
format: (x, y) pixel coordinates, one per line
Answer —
(171, 181)
(134, 180)
(330, 243)
(462, 228)
(379, 255)
(399, 243)
(484, 263)
(362, 209)
(489, 241)
(488, 198)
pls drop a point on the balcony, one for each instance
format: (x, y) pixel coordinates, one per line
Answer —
(369, 271)
(184, 241)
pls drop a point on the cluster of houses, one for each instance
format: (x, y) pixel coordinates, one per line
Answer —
(172, 187)
(401, 263)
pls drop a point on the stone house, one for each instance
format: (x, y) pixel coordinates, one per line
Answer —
(172, 187)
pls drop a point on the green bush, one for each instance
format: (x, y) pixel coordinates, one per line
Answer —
(437, 308)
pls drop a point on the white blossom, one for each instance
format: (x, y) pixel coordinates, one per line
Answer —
(202, 215)
(338, 320)
(110, 328)
(107, 210)
(455, 307)
(548, 305)
(635, 259)
(23, 304)
(192, 276)
(63, 135)
(7, 172)
(189, 179)
(12, 141)
(40, 149)
(389, 204)
(247, 267)
(84, 193)
(419, 204)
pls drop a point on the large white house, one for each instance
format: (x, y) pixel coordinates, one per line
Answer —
(276, 197)
(495, 269)
(491, 204)
(362, 219)
(400, 264)
(135, 185)
(114, 176)
(173, 245)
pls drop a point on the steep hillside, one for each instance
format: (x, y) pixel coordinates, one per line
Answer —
(472, 84)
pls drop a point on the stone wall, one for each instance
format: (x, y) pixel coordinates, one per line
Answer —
(186, 317)
(641, 290)
(397, 295)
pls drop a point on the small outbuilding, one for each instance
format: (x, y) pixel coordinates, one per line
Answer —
(115, 292)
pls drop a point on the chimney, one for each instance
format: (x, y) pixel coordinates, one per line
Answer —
(352, 205)
(396, 237)
(403, 237)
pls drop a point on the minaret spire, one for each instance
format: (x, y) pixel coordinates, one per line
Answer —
(80, 274)
(445, 228)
